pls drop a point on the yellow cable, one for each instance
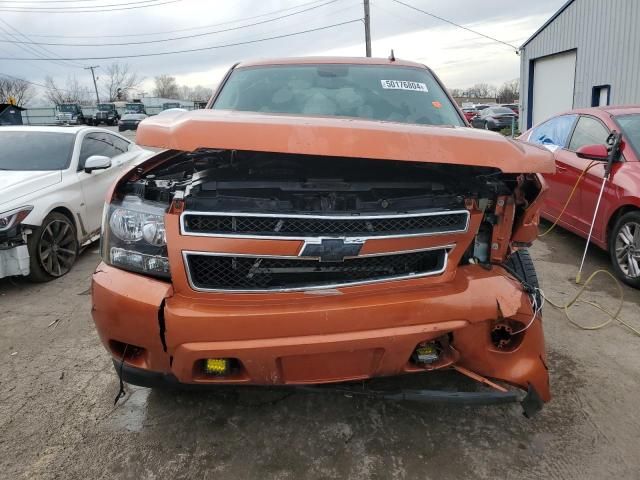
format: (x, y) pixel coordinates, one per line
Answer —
(573, 191)
(612, 316)
(565, 308)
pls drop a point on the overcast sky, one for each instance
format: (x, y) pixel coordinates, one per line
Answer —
(459, 57)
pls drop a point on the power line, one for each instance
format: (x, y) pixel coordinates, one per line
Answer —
(27, 48)
(35, 83)
(178, 30)
(184, 37)
(38, 51)
(96, 9)
(75, 7)
(213, 47)
(455, 24)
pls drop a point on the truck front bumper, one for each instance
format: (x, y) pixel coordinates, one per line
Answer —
(317, 338)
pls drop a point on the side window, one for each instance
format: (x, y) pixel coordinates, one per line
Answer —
(120, 145)
(554, 132)
(95, 144)
(588, 131)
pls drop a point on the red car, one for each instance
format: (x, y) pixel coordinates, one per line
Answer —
(469, 113)
(617, 227)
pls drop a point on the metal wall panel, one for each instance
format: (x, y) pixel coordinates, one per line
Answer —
(606, 35)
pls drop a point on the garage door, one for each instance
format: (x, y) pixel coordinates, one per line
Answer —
(553, 81)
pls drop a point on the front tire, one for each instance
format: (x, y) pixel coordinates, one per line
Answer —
(624, 248)
(53, 248)
(520, 264)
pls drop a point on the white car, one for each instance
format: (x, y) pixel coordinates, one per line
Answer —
(53, 181)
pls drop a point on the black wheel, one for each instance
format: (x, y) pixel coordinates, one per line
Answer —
(624, 248)
(521, 266)
(53, 248)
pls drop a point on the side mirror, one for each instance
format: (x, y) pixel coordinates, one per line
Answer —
(593, 152)
(96, 162)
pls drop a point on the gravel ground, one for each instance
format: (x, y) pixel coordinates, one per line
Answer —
(57, 418)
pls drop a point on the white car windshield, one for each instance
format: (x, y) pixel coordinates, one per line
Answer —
(22, 150)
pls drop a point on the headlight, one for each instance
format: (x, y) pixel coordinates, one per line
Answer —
(13, 217)
(134, 237)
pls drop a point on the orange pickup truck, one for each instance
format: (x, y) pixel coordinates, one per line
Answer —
(325, 220)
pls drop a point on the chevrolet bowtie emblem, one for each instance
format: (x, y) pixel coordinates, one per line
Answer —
(332, 249)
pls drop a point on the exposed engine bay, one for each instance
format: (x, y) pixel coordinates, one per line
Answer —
(229, 180)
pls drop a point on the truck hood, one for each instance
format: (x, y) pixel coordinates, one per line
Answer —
(341, 137)
(17, 184)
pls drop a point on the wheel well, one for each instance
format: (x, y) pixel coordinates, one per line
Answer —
(67, 213)
(616, 215)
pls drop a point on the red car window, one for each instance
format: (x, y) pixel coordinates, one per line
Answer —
(588, 131)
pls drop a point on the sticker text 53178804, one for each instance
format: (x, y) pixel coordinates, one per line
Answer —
(404, 85)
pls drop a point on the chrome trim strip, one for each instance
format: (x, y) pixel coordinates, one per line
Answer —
(186, 253)
(184, 232)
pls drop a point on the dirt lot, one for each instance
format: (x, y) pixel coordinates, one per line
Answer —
(57, 418)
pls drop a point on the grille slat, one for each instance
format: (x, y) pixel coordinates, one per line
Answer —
(301, 226)
(215, 272)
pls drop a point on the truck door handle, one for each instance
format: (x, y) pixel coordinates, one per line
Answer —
(561, 169)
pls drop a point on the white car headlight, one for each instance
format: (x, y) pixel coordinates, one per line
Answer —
(134, 237)
(13, 217)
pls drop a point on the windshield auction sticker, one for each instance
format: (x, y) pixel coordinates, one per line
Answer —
(404, 85)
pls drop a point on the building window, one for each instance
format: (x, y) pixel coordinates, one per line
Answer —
(600, 95)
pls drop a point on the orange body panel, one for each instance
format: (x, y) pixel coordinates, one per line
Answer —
(341, 137)
(281, 341)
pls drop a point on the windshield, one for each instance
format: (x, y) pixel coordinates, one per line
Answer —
(373, 92)
(501, 110)
(630, 126)
(67, 108)
(35, 150)
(134, 107)
(105, 106)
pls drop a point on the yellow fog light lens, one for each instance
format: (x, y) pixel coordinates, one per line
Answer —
(216, 366)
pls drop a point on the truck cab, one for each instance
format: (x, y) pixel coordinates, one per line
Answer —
(69, 114)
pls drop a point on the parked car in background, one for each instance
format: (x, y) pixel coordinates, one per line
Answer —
(617, 227)
(322, 222)
(53, 181)
(495, 118)
(135, 107)
(69, 114)
(512, 106)
(106, 113)
(168, 105)
(469, 113)
(130, 121)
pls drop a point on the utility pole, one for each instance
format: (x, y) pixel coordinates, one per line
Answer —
(95, 85)
(367, 28)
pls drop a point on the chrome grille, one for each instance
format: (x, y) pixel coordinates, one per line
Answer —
(302, 226)
(221, 272)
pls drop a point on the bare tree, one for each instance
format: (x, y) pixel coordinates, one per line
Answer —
(73, 92)
(200, 93)
(166, 87)
(197, 93)
(119, 78)
(509, 92)
(15, 90)
(482, 90)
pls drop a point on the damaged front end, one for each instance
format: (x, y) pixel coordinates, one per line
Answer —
(14, 253)
(311, 269)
